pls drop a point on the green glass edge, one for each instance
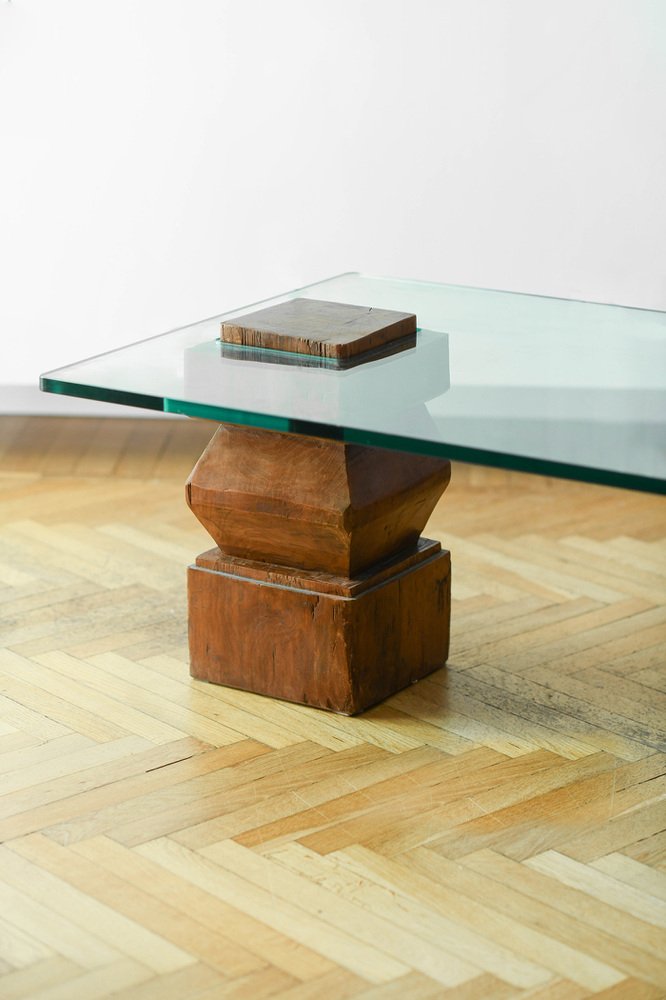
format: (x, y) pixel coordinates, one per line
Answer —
(277, 355)
(460, 453)
(505, 460)
(144, 402)
(273, 354)
(392, 442)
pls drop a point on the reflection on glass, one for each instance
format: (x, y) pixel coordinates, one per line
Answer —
(549, 385)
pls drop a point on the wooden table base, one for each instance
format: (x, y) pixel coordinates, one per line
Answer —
(320, 590)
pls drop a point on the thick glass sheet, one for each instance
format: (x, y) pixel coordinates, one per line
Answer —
(568, 388)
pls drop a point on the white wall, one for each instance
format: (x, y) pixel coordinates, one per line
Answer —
(164, 160)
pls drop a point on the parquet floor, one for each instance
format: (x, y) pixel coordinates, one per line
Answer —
(496, 831)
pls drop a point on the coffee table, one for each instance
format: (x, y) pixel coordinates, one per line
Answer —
(322, 475)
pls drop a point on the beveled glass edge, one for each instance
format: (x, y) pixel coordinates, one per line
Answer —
(377, 439)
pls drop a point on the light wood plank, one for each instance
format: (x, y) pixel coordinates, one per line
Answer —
(494, 832)
(369, 961)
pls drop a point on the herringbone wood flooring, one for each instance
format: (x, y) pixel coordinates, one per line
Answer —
(498, 830)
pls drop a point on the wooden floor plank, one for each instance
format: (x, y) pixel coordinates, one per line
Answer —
(633, 873)
(497, 831)
(22, 984)
(605, 930)
(98, 983)
(369, 961)
(600, 886)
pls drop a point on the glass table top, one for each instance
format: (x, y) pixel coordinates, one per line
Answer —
(565, 388)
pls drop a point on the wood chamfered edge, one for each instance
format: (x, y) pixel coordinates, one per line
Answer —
(216, 561)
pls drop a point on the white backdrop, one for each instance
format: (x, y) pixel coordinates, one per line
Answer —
(165, 160)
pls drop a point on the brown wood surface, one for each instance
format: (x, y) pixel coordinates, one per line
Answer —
(299, 509)
(295, 640)
(495, 831)
(311, 503)
(317, 580)
(317, 328)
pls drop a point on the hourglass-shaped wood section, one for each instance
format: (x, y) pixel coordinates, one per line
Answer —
(320, 590)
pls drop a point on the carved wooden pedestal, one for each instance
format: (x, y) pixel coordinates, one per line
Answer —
(321, 590)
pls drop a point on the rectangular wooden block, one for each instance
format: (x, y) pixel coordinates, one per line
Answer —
(317, 328)
(317, 639)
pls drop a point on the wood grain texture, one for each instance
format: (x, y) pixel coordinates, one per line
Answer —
(497, 830)
(311, 503)
(321, 329)
(342, 606)
(341, 651)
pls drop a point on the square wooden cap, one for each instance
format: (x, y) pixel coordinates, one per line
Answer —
(321, 329)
